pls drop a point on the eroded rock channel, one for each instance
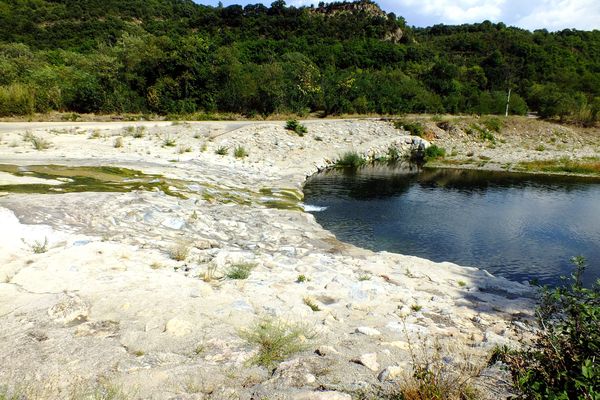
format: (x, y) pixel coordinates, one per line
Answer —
(141, 288)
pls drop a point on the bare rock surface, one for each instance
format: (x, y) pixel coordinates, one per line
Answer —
(133, 289)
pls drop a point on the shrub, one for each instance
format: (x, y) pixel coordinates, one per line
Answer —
(179, 252)
(562, 362)
(276, 340)
(118, 142)
(311, 304)
(138, 133)
(350, 159)
(239, 271)
(222, 151)
(240, 152)
(434, 152)
(393, 154)
(294, 125)
(37, 142)
(493, 124)
(169, 141)
(414, 128)
(16, 99)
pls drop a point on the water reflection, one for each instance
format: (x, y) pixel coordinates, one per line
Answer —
(515, 225)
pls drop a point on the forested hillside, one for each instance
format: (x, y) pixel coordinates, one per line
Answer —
(175, 56)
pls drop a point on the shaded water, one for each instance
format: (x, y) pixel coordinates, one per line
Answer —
(519, 226)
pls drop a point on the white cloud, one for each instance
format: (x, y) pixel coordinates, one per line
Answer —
(563, 14)
(455, 11)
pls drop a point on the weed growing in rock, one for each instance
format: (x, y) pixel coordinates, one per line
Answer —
(169, 141)
(350, 160)
(222, 151)
(184, 149)
(563, 360)
(364, 277)
(240, 152)
(311, 304)
(139, 132)
(540, 147)
(209, 274)
(276, 340)
(179, 252)
(294, 125)
(462, 283)
(240, 271)
(118, 143)
(37, 246)
(416, 307)
(438, 376)
(37, 142)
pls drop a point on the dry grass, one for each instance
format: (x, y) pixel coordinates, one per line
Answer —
(589, 166)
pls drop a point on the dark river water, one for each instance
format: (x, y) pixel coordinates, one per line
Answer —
(523, 227)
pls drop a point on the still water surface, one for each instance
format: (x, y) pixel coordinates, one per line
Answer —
(519, 226)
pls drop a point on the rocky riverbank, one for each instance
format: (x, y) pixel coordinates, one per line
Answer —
(154, 291)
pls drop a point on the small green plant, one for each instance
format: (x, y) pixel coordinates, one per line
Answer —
(563, 360)
(129, 129)
(276, 340)
(302, 278)
(311, 304)
(462, 283)
(222, 151)
(169, 141)
(240, 152)
(350, 160)
(416, 307)
(364, 277)
(184, 149)
(240, 271)
(96, 134)
(413, 127)
(493, 124)
(37, 142)
(434, 152)
(540, 147)
(179, 252)
(37, 246)
(294, 125)
(393, 154)
(139, 132)
(118, 143)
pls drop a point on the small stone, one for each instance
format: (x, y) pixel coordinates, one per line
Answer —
(390, 373)
(71, 309)
(369, 360)
(178, 327)
(326, 350)
(365, 330)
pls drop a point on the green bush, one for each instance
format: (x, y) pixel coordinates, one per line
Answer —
(294, 125)
(239, 271)
(414, 128)
(16, 99)
(240, 152)
(434, 152)
(493, 124)
(563, 362)
(350, 159)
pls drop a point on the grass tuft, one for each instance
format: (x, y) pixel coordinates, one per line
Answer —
(179, 252)
(222, 151)
(240, 152)
(311, 304)
(276, 340)
(350, 160)
(240, 271)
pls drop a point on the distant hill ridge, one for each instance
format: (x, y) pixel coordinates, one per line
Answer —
(176, 56)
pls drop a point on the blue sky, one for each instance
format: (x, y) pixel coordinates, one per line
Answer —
(529, 14)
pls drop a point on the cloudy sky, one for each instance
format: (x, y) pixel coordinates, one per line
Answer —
(529, 14)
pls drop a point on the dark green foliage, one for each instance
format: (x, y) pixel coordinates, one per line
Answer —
(434, 152)
(294, 125)
(414, 128)
(563, 361)
(176, 57)
(350, 160)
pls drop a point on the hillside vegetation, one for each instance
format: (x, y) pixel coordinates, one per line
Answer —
(178, 57)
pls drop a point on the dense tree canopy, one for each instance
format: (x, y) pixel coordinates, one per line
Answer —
(175, 56)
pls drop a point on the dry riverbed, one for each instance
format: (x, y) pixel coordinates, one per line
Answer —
(156, 284)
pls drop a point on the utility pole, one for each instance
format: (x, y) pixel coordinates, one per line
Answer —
(507, 102)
